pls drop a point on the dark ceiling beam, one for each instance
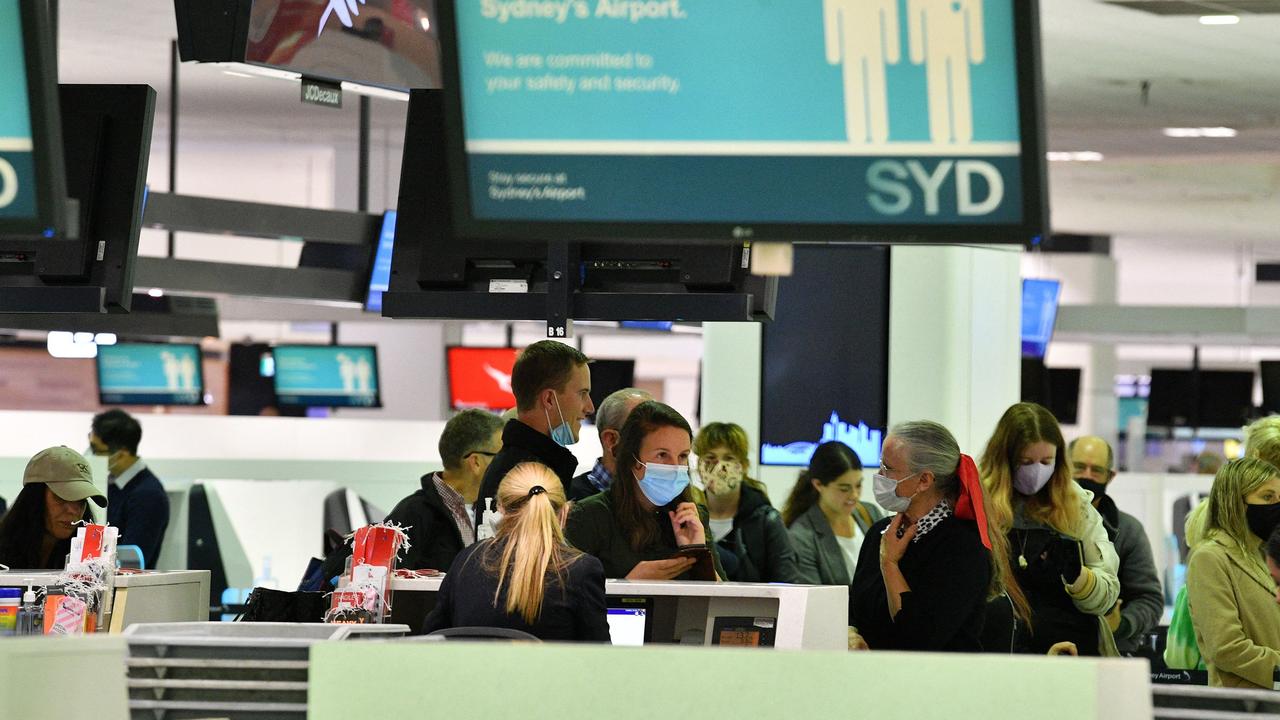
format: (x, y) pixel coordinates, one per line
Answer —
(186, 213)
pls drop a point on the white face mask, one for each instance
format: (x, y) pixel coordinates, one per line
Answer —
(1030, 479)
(886, 492)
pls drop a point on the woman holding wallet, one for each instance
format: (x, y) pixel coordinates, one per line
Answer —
(646, 526)
(1062, 566)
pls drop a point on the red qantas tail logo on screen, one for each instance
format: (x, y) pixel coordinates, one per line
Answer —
(481, 377)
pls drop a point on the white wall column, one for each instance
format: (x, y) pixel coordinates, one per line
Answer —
(954, 348)
(1087, 279)
(731, 360)
(411, 367)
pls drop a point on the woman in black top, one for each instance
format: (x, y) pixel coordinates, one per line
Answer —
(36, 532)
(526, 578)
(924, 575)
(646, 526)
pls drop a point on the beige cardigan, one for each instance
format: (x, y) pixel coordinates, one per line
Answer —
(1233, 608)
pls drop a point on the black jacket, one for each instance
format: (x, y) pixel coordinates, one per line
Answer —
(521, 443)
(949, 572)
(758, 548)
(141, 510)
(434, 539)
(574, 610)
(1139, 581)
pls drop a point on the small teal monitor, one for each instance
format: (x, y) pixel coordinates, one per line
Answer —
(150, 374)
(327, 376)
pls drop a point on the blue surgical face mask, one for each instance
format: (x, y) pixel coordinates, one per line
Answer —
(562, 434)
(663, 483)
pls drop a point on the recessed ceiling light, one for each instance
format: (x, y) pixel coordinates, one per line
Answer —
(156, 293)
(1200, 132)
(1219, 19)
(1083, 156)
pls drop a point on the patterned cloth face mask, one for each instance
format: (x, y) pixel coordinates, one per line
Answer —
(722, 477)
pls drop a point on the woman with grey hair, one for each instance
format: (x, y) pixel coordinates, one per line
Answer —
(925, 574)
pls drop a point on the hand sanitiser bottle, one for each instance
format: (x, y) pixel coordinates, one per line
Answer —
(31, 614)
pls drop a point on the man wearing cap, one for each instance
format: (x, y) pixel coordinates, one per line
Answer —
(36, 532)
(137, 503)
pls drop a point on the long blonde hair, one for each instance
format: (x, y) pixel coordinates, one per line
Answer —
(1262, 439)
(1057, 504)
(1225, 516)
(532, 541)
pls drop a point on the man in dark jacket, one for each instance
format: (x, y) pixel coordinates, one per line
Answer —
(136, 501)
(437, 517)
(1141, 600)
(552, 385)
(610, 416)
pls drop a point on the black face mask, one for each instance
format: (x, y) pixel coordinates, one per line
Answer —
(1098, 489)
(1262, 519)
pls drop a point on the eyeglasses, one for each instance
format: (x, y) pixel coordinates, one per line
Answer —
(480, 452)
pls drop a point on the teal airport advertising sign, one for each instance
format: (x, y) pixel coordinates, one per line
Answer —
(17, 164)
(842, 112)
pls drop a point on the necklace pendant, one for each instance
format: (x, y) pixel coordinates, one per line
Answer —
(1022, 561)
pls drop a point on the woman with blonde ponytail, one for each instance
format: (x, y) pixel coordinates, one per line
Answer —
(526, 578)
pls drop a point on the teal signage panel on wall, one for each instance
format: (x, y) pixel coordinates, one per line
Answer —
(807, 112)
(17, 163)
(327, 375)
(137, 374)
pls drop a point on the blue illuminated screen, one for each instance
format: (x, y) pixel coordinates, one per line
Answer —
(380, 277)
(1039, 312)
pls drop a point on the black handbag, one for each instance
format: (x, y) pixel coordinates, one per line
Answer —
(267, 605)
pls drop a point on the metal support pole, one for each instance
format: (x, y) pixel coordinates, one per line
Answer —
(362, 177)
(173, 131)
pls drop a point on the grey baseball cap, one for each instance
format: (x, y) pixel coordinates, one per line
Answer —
(66, 473)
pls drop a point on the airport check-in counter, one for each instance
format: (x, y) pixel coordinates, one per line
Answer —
(150, 596)
(808, 617)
